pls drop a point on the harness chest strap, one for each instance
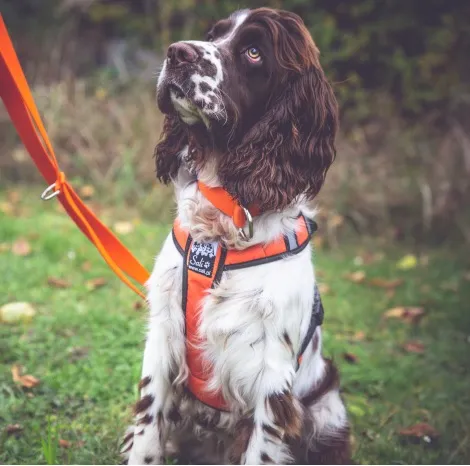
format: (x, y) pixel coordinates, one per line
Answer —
(204, 265)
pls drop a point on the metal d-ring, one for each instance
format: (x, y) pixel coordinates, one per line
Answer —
(249, 219)
(47, 194)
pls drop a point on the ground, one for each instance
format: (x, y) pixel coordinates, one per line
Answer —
(85, 342)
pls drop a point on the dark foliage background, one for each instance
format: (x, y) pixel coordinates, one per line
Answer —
(401, 73)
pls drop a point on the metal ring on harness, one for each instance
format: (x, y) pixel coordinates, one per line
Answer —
(46, 195)
(249, 219)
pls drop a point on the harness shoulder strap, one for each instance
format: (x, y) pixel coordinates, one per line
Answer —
(291, 243)
(287, 245)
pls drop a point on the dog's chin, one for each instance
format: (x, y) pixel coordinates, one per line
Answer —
(171, 99)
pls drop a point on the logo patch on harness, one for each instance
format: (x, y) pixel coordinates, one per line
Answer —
(202, 258)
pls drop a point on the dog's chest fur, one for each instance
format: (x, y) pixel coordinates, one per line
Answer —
(242, 320)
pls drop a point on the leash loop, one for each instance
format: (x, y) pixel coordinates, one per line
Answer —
(50, 192)
(54, 189)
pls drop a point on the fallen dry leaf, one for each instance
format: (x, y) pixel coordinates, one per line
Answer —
(414, 346)
(123, 228)
(58, 282)
(21, 247)
(86, 266)
(466, 276)
(323, 288)
(13, 196)
(96, 283)
(138, 305)
(65, 443)
(12, 313)
(359, 336)
(12, 429)
(390, 293)
(420, 430)
(407, 262)
(28, 381)
(350, 357)
(6, 208)
(384, 283)
(411, 315)
(356, 277)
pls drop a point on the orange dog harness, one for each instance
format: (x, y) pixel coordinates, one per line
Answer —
(204, 264)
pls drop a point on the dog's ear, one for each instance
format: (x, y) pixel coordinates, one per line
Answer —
(288, 152)
(173, 140)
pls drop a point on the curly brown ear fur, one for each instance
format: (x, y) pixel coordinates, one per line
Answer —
(288, 152)
(173, 139)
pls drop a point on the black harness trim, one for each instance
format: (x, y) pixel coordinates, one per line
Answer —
(184, 294)
(316, 320)
(286, 242)
(178, 245)
(220, 268)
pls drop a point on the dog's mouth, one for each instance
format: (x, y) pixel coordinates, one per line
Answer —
(173, 98)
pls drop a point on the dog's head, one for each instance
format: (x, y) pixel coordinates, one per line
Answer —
(254, 96)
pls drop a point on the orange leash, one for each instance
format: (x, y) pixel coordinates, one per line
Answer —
(16, 95)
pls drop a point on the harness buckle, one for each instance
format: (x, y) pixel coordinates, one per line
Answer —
(249, 219)
(47, 194)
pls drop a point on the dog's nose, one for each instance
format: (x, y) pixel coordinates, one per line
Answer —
(181, 52)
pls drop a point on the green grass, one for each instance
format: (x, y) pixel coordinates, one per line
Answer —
(86, 346)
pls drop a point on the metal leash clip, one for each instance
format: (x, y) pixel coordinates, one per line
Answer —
(47, 194)
(249, 219)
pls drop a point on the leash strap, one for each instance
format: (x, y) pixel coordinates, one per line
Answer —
(19, 102)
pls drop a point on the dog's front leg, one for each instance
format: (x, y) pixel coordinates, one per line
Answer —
(276, 414)
(277, 418)
(164, 363)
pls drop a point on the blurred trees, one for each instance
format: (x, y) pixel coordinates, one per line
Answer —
(415, 51)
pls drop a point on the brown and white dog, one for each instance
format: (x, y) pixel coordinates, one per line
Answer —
(249, 110)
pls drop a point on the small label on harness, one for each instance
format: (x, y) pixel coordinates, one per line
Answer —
(202, 258)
